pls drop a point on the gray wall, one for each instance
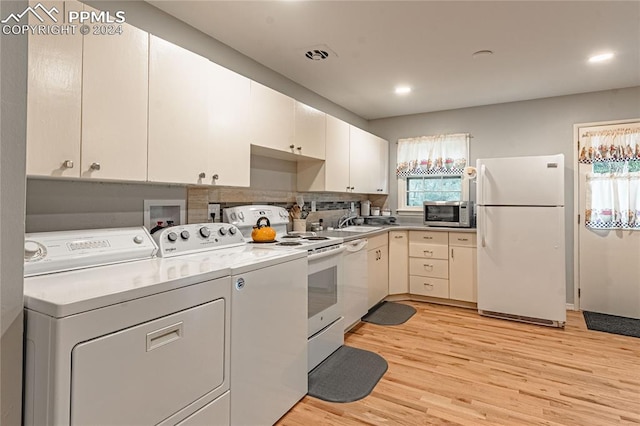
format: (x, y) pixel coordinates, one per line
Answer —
(13, 116)
(536, 127)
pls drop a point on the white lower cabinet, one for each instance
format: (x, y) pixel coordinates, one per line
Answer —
(398, 262)
(378, 267)
(443, 265)
(463, 269)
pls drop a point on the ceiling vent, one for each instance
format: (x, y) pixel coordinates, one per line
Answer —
(317, 54)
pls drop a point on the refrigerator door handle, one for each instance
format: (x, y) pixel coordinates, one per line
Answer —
(483, 170)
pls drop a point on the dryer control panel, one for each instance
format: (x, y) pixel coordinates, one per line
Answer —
(49, 252)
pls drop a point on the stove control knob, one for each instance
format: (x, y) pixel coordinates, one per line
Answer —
(233, 216)
(138, 239)
(172, 236)
(185, 235)
(232, 231)
(222, 231)
(204, 232)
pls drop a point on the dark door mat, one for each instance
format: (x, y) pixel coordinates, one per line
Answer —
(612, 324)
(347, 375)
(389, 313)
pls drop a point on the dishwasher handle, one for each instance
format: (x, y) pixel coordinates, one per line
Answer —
(356, 245)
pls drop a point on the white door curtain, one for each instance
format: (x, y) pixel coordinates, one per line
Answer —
(613, 185)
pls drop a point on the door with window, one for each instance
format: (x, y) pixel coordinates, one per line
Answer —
(609, 219)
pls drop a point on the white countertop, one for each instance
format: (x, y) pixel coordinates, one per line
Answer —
(350, 236)
(67, 293)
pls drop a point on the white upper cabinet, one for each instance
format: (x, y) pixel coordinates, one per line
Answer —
(272, 119)
(368, 164)
(197, 119)
(310, 127)
(54, 99)
(230, 148)
(355, 161)
(114, 105)
(337, 155)
(178, 114)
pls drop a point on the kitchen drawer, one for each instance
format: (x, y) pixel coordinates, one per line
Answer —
(435, 268)
(465, 239)
(427, 286)
(377, 241)
(428, 251)
(428, 237)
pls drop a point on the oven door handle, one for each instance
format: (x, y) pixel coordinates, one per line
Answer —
(356, 245)
(327, 253)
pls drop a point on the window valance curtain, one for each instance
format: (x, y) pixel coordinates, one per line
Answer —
(613, 186)
(436, 154)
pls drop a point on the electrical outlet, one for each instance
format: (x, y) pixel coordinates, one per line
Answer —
(313, 206)
(214, 208)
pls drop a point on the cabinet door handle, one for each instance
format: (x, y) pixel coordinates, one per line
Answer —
(428, 266)
(95, 166)
(215, 177)
(292, 146)
(299, 148)
(202, 175)
(67, 164)
(451, 254)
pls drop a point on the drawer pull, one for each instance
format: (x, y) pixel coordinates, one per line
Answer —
(398, 236)
(163, 336)
(429, 286)
(428, 238)
(430, 267)
(429, 252)
(463, 239)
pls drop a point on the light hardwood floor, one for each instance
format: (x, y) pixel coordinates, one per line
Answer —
(451, 366)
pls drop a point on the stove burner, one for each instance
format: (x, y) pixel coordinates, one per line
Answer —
(291, 236)
(316, 238)
(289, 243)
(263, 242)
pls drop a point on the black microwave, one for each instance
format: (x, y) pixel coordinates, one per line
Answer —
(456, 214)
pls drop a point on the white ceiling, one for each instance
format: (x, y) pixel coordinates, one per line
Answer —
(540, 48)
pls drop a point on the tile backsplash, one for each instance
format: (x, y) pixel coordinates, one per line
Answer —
(329, 206)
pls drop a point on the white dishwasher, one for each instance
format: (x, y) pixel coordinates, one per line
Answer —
(356, 279)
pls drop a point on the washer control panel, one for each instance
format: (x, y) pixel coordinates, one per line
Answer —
(194, 238)
(49, 252)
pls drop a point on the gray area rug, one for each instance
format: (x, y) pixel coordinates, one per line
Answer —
(347, 375)
(389, 313)
(612, 324)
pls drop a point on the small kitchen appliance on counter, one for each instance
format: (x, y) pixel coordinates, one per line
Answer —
(325, 277)
(454, 214)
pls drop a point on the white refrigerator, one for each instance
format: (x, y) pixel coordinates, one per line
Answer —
(521, 241)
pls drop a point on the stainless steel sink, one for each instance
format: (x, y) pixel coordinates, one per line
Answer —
(359, 228)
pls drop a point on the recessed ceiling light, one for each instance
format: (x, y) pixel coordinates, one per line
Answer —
(481, 53)
(602, 57)
(403, 90)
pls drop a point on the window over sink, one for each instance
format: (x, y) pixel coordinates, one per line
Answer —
(431, 168)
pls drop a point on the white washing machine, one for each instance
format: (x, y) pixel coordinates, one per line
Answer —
(128, 339)
(268, 317)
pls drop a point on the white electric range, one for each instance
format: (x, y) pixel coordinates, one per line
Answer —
(325, 274)
(104, 317)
